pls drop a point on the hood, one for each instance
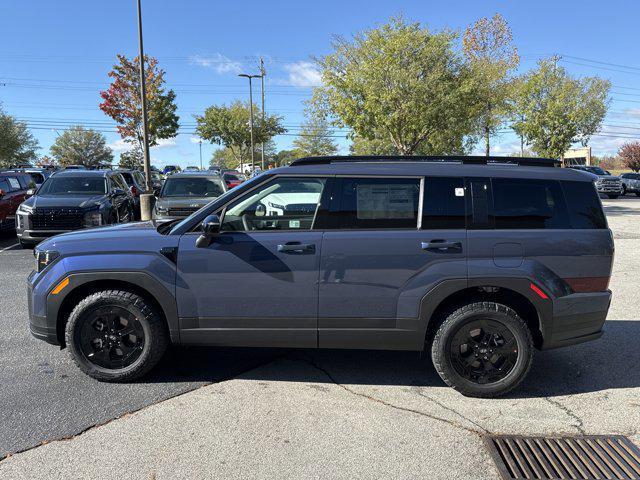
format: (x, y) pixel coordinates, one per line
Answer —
(184, 202)
(608, 177)
(126, 237)
(84, 201)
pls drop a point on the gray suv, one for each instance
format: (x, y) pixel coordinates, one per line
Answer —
(184, 193)
(478, 260)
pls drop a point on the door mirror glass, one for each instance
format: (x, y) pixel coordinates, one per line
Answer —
(210, 228)
(117, 192)
(261, 210)
(31, 191)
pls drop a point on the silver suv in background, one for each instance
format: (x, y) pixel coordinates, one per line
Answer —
(630, 183)
(184, 193)
(606, 184)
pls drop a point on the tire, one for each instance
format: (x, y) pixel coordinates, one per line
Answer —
(148, 340)
(494, 315)
(613, 195)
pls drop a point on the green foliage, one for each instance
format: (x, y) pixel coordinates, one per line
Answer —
(285, 157)
(229, 126)
(487, 45)
(315, 137)
(630, 155)
(224, 158)
(80, 146)
(133, 159)
(553, 110)
(402, 83)
(122, 101)
(17, 145)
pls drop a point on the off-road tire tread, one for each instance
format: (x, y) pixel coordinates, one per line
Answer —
(158, 340)
(479, 307)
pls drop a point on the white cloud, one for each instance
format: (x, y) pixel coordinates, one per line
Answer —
(120, 146)
(302, 74)
(218, 62)
(165, 143)
(195, 140)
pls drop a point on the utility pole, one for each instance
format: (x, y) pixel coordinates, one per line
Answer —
(145, 199)
(200, 143)
(262, 74)
(253, 160)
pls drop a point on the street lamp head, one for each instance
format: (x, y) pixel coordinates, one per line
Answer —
(249, 76)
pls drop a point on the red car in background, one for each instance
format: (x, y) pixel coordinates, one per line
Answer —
(233, 178)
(14, 188)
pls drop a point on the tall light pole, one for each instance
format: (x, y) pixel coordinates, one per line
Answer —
(145, 200)
(200, 143)
(250, 77)
(262, 74)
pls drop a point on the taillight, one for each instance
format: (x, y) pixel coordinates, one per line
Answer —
(588, 284)
(134, 190)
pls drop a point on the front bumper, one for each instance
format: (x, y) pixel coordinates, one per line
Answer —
(39, 325)
(615, 189)
(36, 236)
(577, 318)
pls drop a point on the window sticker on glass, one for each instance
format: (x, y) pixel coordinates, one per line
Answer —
(385, 201)
(459, 192)
(294, 223)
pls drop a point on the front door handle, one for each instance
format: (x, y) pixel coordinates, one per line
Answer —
(295, 247)
(441, 246)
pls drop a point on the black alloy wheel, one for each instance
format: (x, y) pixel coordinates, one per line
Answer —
(483, 351)
(112, 337)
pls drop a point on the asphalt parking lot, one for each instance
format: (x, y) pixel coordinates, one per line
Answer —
(315, 414)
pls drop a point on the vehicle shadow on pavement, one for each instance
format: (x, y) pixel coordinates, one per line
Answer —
(608, 363)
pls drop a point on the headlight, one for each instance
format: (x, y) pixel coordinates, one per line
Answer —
(24, 209)
(92, 219)
(44, 258)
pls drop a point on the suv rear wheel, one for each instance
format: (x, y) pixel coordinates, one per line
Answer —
(482, 349)
(115, 336)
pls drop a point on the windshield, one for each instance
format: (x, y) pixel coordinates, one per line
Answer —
(74, 185)
(596, 170)
(192, 187)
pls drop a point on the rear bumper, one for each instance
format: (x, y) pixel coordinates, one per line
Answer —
(577, 318)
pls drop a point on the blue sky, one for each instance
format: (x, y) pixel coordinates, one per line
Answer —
(55, 55)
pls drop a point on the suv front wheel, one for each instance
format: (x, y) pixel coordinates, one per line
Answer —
(115, 336)
(482, 349)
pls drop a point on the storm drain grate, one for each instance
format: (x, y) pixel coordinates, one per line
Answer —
(588, 457)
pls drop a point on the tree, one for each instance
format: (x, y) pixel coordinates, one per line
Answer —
(122, 102)
(403, 83)
(224, 158)
(552, 110)
(315, 137)
(80, 146)
(132, 159)
(229, 126)
(630, 154)
(285, 157)
(487, 44)
(17, 145)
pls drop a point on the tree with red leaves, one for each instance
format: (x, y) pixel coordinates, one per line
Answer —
(122, 102)
(630, 154)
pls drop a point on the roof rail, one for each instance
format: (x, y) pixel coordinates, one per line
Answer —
(464, 159)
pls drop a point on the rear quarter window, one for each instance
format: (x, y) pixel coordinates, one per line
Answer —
(585, 208)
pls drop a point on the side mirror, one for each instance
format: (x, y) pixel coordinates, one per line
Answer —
(31, 191)
(117, 192)
(261, 210)
(210, 228)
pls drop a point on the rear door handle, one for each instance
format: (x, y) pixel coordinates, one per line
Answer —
(441, 245)
(294, 247)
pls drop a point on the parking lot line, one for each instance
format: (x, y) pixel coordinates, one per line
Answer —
(9, 247)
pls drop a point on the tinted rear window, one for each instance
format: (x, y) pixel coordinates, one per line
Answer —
(528, 204)
(443, 204)
(585, 209)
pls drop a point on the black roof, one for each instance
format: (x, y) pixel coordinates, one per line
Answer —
(82, 173)
(464, 159)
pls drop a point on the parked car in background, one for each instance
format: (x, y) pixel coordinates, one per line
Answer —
(215, 168)
(606, 184)
(157, 179)
(184, 193)
(75, 167)
(170, 169)
(38, 175)
(477, 264)
(71, 200)
(14, 189)
(233, 178)
(192, 168)
(136, 184)
(630, 183)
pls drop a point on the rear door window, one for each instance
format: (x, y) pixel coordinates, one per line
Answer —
(375, 203)
(443, 205)
(585, 209)
(528, 204)
(4, 185)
